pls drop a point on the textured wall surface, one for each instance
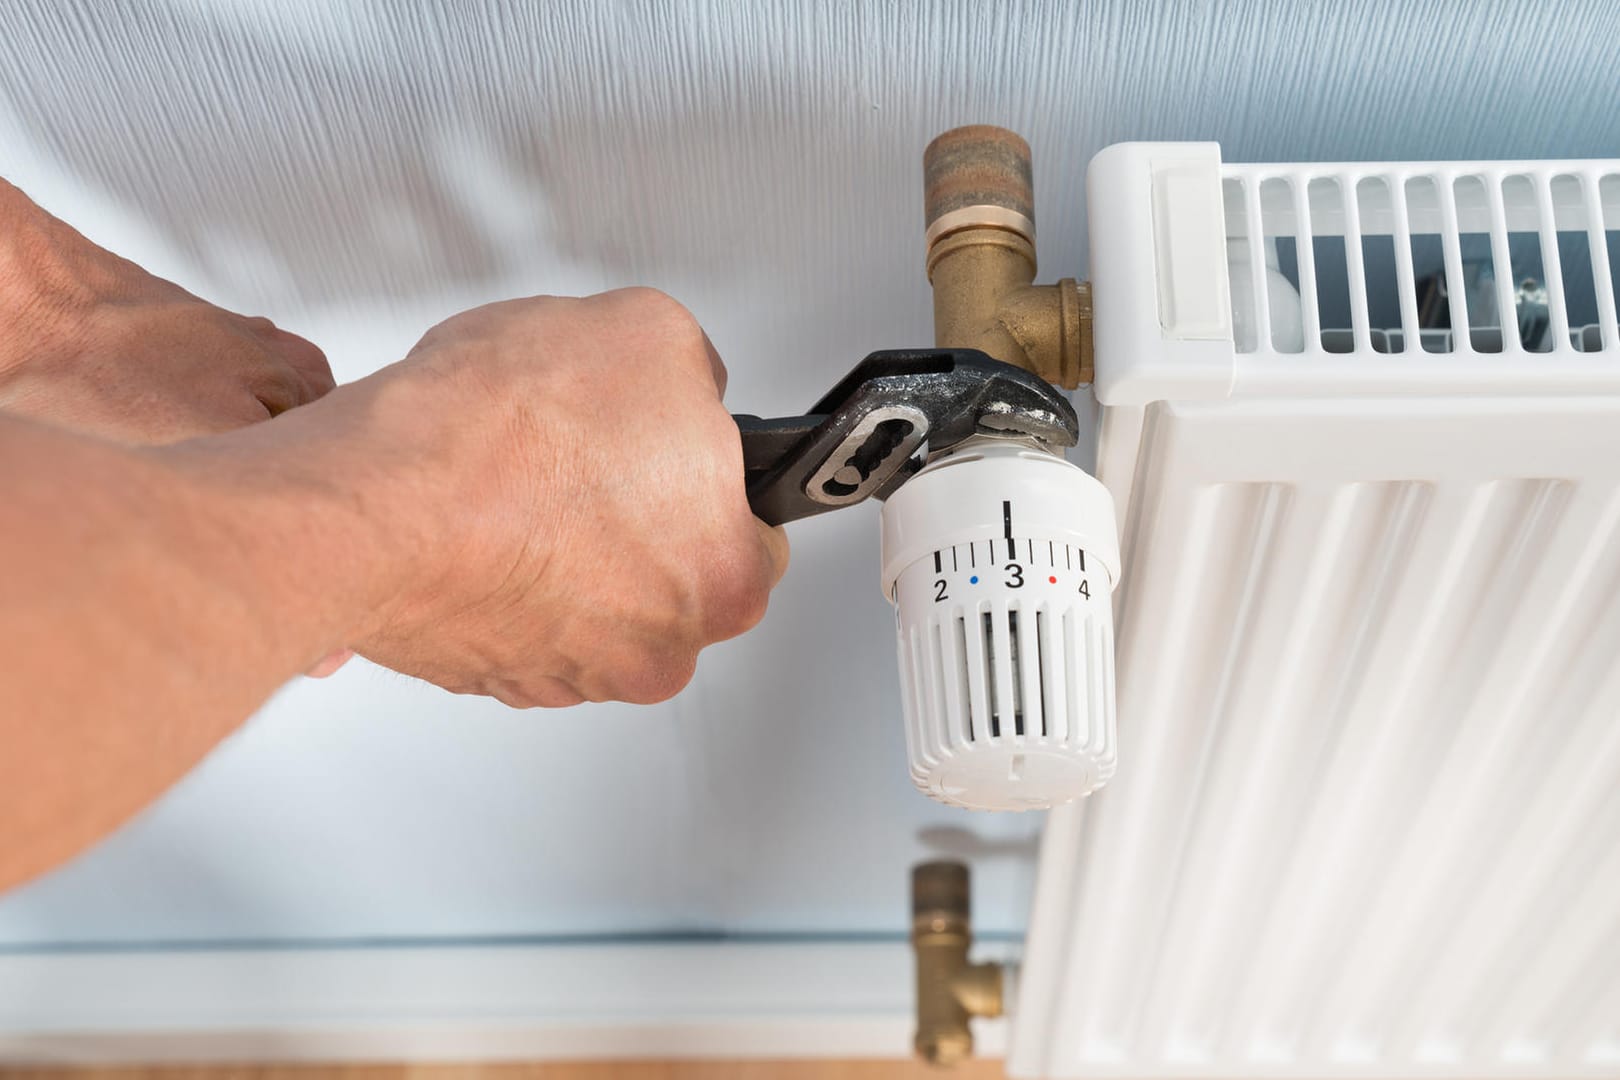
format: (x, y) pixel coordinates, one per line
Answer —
(358, 171)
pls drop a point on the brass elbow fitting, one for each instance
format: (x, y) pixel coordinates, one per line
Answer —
(979, 198)
(950, 990)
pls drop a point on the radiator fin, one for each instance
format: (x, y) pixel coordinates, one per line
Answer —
(1370, 820)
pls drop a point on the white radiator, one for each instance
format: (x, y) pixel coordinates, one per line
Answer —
(1367, 814)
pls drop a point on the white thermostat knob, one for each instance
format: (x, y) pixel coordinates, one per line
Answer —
(1001, 559)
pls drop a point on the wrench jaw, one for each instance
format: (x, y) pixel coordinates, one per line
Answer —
(1051, 431)
(873, 430)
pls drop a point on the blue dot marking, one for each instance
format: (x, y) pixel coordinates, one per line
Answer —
(974, 580)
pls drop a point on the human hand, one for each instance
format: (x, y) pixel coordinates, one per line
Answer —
(579, 496)
(92, 342)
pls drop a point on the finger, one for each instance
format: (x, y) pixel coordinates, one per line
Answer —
(775, 541)
(307, 360)
(717, 367)
(274, 385)
(546, 692)
(303, 356)
(654, 677)
(329, 663)
(284, 371)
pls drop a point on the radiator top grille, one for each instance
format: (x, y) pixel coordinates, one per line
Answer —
(1426, 259)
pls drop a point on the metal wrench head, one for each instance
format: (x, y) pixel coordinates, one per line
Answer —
(863, 437)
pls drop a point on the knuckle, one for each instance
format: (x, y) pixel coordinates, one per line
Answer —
(277, 387)
(738, 601)
(653, 302)
(308, 360)
(244, 409)
(473, 323)
(658, 678)
(540, 692)
(657, 308)
(720, 443)
(748, 607)
(553, 694)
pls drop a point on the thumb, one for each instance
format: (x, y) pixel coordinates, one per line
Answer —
(775, 541)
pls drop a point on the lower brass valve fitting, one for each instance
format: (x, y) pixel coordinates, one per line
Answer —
(979, 198)
(950, 990)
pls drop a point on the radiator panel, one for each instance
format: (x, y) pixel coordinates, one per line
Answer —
(1367, 819)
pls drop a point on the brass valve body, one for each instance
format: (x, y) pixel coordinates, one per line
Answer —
(950, 990)
(979, 200)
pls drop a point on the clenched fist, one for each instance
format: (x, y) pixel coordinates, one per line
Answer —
(580, 529)
(91, 342)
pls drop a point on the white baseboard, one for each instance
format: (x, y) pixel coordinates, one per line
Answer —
(457, 1003)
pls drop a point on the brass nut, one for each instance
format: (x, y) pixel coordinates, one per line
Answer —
(969, 240)
(944, 1048)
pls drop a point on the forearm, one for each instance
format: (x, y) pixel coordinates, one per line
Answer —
(476, 515)
(150, 601)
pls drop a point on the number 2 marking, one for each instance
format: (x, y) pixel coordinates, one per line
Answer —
(940, 595)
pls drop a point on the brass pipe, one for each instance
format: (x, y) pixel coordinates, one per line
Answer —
(950, 990)
(979, 199)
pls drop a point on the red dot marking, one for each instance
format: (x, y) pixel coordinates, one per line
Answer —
(1052, 579)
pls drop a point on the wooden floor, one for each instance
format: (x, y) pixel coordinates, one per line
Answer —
(641, 1070)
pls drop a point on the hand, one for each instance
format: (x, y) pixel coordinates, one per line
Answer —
(92, 342)
(580, 502)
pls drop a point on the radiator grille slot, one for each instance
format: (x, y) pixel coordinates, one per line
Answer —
(1475, 259)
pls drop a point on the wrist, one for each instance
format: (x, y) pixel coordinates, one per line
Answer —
(37, 300)
(321, 513)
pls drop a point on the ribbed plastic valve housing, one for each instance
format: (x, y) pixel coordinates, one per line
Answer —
(1001, 560)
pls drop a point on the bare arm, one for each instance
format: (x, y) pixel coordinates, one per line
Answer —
(147, 607)
(480, 515)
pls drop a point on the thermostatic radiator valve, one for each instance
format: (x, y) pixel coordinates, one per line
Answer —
(999, 556)
(1000, 559)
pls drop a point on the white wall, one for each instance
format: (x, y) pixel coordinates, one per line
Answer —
(358, 171)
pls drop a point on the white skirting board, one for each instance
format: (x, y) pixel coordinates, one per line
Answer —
(461, 1003)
